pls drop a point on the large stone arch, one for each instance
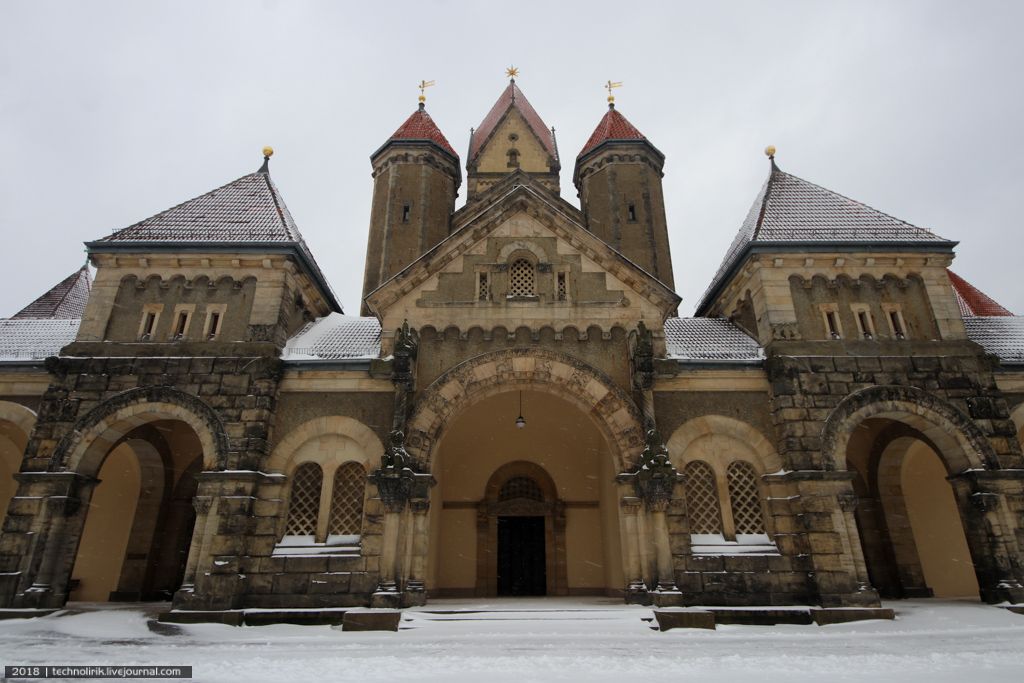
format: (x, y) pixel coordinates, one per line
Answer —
(21, 417)
(83, 448)
(722, 426)
(959, 441)
(611, 408)
(364, 437)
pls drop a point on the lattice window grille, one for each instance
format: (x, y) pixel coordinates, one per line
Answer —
(702, 499)
(562, 290)
(745, 498)
(521, 278)
(304, 508)
(520, 487)
(347, 500)
(484, 288)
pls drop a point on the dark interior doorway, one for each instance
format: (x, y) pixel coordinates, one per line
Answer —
(521, 560)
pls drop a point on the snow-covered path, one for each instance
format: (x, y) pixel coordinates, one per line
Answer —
(591, 640)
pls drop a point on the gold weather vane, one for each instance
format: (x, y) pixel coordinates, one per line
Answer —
(609, 86)
(512, 72)
(423, 89)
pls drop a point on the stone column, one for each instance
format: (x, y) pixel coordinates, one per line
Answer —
(666, 580)
(851, 539)
(415, 585)
(42, 533)
(636, 589)
(991, 528)
(202, 505)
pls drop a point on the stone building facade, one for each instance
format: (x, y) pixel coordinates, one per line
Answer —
(519, 410)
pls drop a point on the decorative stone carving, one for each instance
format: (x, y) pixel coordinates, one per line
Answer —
(655, 477)
(406, 346)
(396, 480)
(984, 502)
(643, 358)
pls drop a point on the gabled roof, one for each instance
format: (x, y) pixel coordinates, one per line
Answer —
(29, 339)
(972, 301)
(248, 213)
(511, 98)
(1001, 335)
(612, 127)
(790, 211)
(710, 340)
(419, 127)
(64, 301)
(474, 223)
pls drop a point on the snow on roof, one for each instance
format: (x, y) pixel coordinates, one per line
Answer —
(64, 301)
(335, 337)
(792, 210)
(1002, 336)
(709, 339)
(34, 339)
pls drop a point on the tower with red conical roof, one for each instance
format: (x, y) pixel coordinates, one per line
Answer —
(416, 179)
(511, 137)
(618, 175)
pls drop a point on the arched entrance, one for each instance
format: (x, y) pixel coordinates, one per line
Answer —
(921, 520)
(135, 541)
(15, 426)
(908, 519)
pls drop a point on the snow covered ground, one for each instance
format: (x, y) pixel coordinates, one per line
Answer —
(539, 640)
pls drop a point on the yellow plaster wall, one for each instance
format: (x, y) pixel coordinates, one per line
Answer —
(935, 520)
(559, 438)
(108, 525)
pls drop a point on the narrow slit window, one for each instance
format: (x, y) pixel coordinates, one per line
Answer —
(832, 320)
(631, 212)
(180, 325)
(148, 323)
(406, 210)
(561, 290)
(867, 330)
(214, 325)
(896, 320)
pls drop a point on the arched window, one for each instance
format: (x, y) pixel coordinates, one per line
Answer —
(520, 487)
(745, 498)
(304, 507)
(702, 499)
(347, 500)
(521, 278)
(513, 158)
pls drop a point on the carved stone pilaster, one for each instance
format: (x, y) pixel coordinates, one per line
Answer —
(984, 502)
(654, 478)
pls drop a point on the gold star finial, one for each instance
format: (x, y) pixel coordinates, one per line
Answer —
(423, 90)
(609, 86)
(512, 72)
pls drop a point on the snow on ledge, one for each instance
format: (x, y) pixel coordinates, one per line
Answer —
(745, 544)
(336, 544)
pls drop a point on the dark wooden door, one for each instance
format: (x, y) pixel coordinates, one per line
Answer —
(521, 560)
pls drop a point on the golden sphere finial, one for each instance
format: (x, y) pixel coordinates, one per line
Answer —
(268, 151)
(769, 151)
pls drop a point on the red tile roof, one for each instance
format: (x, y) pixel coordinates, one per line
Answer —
(512, 97)
(613, 126)
(65, 300)
(972, 301)
(420, 126)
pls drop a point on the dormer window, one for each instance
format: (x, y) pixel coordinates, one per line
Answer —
(521, 278)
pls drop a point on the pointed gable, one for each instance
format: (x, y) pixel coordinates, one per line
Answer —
(420, 127)
(790, 211)
(247, 213)
(511, 98)
(973, 301)
(64, 301)
(612, 127)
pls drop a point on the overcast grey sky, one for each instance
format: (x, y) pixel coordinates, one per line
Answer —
(113, 111)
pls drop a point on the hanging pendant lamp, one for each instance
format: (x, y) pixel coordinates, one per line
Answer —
(520, 421)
